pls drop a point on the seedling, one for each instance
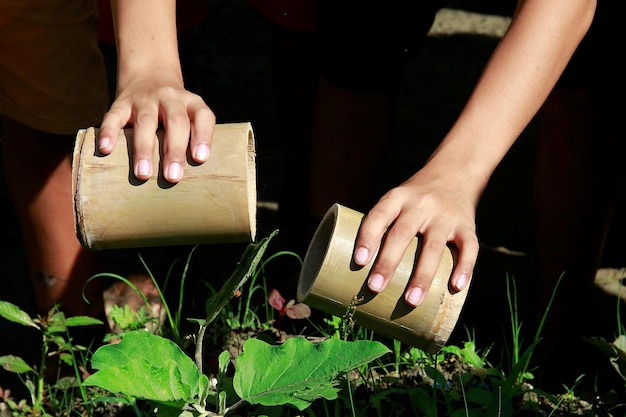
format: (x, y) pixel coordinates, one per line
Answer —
(56, 343)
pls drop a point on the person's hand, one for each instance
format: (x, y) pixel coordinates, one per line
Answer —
(187, 120)
(437, 209)
(439, 201)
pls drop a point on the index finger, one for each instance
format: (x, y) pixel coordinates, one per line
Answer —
(370, 235)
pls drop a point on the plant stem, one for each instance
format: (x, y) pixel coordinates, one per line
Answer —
(199, 344)
(38, 396)
(83, 391)
(168, 312)
(350, 395)
(181, 293)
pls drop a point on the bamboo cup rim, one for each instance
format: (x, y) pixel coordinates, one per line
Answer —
(331, 282)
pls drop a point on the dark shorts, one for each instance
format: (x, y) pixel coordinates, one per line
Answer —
(597, 60)
(364, 44)
(597, 66)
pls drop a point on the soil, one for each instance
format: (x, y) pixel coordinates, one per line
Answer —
(232, 72)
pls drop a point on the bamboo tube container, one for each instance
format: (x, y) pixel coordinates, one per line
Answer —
(331, 282)
(215, 202)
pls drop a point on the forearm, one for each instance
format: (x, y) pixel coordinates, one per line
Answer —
(147, 44)
(440, 200)
(520, 74)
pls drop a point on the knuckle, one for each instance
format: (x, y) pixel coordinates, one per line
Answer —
(178, 118)
(201, 108)
(386, 267)
(376, 215)
(168, 91)
(473, 244)
(400, 233)
(145, 119)
(434, 244)
(422, 280)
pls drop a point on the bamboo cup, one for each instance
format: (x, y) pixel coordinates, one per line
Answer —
(331, 282)
(215, 202)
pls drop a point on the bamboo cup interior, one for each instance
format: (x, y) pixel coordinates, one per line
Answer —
(316, 253)
(331, 282)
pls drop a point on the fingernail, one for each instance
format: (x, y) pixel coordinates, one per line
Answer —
(202, 152)
(104, 143)
(461, 281)
(143, 168)
(174, 171)
(361, 256)
(415, 296)
(376, 282)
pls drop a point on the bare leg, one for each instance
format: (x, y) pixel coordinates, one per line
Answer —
(332, 141)
(350, 136)
(576, 186)
(38, 171)
(294, 82)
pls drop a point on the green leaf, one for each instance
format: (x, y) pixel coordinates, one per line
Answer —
(619, 361)
(434, 373)
(247, 266)
(470, 355)
(518, 370)
(14, 364)
(56, 323)
(298, 371)
(422, 400)
(13, 313)
(480, 396)
(223, 361)
(168, 409)
(82, 321)
(620, 343)
(147, 366)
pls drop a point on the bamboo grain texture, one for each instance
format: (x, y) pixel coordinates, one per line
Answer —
(215, 202)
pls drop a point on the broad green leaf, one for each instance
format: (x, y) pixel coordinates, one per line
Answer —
(616, 352)
(168, 410)
(147, 366)
(434, 373)
(14, 364)
(249, 261)
(468, 412)
(479, 395)
(501, 406)
(298, 371)
(422, 400)
(606, 347)
(13, 313)
(82, 321)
